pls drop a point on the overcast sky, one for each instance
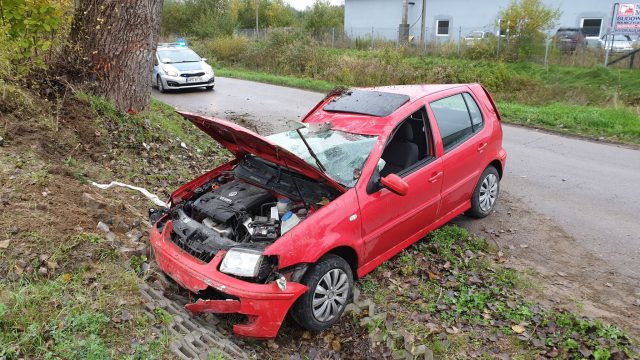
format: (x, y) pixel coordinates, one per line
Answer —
(302, 4)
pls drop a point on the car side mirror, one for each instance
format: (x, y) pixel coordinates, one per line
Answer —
(204, 59)
(395, 184)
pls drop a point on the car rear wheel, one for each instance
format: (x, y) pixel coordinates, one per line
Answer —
(330, 283)
(485, 196)
(159, 84)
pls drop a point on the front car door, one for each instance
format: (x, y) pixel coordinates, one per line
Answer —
(460, 125)
(391, 222)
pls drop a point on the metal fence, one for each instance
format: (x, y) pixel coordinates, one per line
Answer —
(471, 43)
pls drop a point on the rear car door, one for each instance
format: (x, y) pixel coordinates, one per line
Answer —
(460, 125)
(390, 220)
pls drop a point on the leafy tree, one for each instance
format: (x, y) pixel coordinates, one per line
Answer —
(322, 15)
(272, 13)
(199, 18)
(527, 21)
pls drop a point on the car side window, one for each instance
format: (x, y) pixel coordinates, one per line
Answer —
(474, 111)
(453, 119)
(410, 147)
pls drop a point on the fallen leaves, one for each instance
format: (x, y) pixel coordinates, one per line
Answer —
(4, 244)
(518, 329)
(336, 346)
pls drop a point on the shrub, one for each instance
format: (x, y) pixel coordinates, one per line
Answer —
(527, 20)
(225, 49)
(482, 50)
(31, 29)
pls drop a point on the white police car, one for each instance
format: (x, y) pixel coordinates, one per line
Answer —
(178, 67)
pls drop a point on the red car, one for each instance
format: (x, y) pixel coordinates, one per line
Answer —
(297, 217)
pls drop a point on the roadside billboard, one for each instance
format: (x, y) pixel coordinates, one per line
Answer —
(627, 19)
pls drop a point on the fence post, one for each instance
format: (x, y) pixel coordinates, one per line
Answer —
(426, 39)
(607, 50)
(459, 39)
(333, 37)
(499, 38)
(546, 54)
(372, 38)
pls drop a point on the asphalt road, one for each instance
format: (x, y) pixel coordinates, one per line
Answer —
(591, 189)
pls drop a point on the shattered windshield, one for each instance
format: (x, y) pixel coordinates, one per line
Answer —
(342, 154)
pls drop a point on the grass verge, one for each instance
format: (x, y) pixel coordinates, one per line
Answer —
(451, 293)
(290, 81)
(621, 125)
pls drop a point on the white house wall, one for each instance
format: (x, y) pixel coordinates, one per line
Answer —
(384, 16)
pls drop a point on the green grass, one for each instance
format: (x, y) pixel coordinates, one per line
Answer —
(70, 317)
(613, 124)
(455, 283)
(159, 123)
(616, 124)
(283, 80)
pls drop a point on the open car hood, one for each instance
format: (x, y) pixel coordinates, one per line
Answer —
(241, 141)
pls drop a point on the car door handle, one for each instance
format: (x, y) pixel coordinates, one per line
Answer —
(482, 146)
(435, 177)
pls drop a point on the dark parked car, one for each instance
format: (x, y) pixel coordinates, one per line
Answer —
(290, 223)
(570, 39)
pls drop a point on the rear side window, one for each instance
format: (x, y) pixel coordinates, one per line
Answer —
(458, 117)
(474, 111)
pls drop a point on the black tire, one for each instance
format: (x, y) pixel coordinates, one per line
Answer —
(209, 88)
(159, 84)
(479, 208)
(303, 311)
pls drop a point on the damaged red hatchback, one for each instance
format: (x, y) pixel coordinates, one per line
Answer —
(288, 225)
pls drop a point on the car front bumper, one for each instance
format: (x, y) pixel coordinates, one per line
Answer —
(265, 305)
(179, 82)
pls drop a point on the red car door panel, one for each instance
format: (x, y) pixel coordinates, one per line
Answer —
(388, 219)
(462, 160)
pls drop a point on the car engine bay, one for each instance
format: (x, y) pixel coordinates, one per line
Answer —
(251, 206)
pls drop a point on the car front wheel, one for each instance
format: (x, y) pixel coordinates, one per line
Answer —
(485, 194)
(159, 84)
(330, 283)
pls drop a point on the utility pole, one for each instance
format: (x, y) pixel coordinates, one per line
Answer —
(404, 24)
(257, 12)
(423, 39)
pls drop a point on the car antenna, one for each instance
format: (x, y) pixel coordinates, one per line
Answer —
(297, 126)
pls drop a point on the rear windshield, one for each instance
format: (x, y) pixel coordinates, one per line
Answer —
(367, 102)
(171, 56)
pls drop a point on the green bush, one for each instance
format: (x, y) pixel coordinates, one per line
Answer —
(31, 29)
(482, 50)
(225, 49)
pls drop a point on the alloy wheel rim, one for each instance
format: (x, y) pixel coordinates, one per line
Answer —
(488, 192)
(159, 83)
(330, 295)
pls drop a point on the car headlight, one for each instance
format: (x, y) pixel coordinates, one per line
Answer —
(170, 71)
(208, 70)
(242, 262)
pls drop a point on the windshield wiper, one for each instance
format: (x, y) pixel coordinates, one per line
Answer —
(320, 166)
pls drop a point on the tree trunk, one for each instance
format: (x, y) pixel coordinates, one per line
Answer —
(117, 41)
